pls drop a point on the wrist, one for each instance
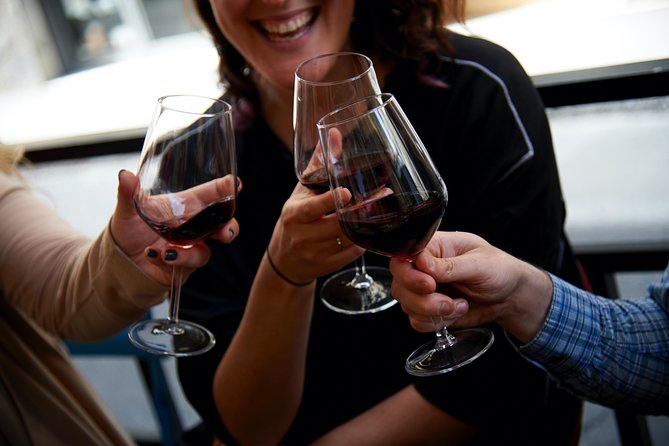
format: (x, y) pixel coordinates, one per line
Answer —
(528, 304)
(278, 272)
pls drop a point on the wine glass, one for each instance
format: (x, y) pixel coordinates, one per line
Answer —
(187, 190)
(322, 84)
(390, 199)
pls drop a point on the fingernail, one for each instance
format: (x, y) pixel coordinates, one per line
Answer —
(120, 172)
(445, 308)
(460, 307)
(151, 253)
(171, 254)
(232, 233)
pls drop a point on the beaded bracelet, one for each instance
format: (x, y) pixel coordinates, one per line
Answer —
(280, 274)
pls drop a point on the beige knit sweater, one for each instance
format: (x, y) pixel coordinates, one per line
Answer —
(56, 283)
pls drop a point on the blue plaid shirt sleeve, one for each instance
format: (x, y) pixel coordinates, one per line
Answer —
(613, 352)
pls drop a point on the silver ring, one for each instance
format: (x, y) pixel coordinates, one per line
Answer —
(341, 245)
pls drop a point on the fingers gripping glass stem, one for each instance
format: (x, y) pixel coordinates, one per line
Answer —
(187, 190)
(323, 84)
(395, 203)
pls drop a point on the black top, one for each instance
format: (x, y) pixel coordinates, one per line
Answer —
(489, 137)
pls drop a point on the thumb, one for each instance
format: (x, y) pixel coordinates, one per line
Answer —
(127, 182)
(313, 206)
(441, 269)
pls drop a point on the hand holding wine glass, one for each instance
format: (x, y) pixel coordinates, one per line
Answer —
(322, 84)
(187, 190)
(390, 199)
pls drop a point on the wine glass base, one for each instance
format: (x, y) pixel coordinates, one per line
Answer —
(427, 360)
(166, 337)
(338, 294)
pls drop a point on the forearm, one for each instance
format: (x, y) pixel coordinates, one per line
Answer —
(613, 352)
(72, 286)
(112, 291)
(258, 385)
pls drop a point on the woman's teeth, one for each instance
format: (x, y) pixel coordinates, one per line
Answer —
(287, 29)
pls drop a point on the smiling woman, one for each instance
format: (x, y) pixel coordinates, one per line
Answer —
(283, 370)
(277, 36)
(629, 30)
(334, 391)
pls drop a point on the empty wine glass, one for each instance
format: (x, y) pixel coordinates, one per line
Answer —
(187, 190)
(322, 84)
(390, 199)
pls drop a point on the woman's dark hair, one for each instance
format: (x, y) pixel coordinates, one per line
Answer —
(401, 31)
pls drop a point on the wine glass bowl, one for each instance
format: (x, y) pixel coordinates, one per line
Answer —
(396, 198)
(183, 219)
(390, 199)
(187, 190)
(322, 84)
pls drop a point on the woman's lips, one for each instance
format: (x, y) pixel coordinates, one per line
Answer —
(287, 29)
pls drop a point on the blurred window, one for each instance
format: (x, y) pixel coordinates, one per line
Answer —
(57, 53)
(90, 33)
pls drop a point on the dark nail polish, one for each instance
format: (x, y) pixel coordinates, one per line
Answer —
(152, 253)
(170, 254)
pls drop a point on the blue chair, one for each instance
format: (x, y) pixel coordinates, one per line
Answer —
(154, 377)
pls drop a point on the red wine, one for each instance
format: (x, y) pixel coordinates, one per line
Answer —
(397, 225)
(368, 172)
(317, 181)
(188, 230)
(365, 173)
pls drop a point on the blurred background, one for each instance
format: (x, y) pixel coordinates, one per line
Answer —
(79, 78)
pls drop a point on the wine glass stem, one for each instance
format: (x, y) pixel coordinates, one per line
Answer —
(444, 338)
(175, 295)
(362, 280)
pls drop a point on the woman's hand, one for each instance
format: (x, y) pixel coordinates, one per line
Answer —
(307, 242)
(153, 255)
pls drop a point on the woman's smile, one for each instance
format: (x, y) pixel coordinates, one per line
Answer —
(287, 29)
(275, 36)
